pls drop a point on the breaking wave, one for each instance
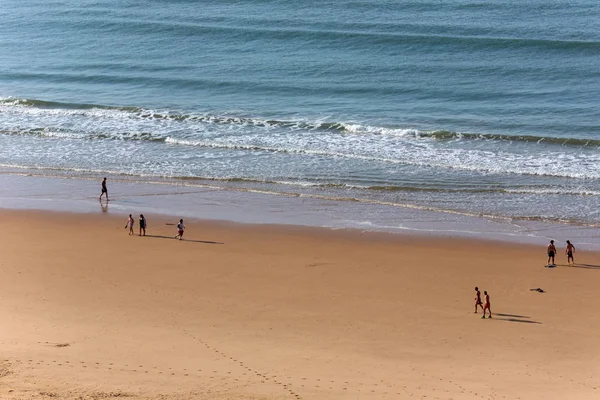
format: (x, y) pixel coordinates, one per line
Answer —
(41, 107)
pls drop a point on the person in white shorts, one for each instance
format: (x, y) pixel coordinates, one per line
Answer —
(129, 224)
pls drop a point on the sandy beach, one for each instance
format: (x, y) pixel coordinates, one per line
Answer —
(277, 312)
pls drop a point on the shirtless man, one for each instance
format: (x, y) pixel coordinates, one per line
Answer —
(478, 299)
(486, 304)
(551, 252)
(569, 252)
(104, 190)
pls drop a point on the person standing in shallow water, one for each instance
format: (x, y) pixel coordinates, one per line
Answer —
(142, 223)
(104, 190)
(569, 252)
(551, 252)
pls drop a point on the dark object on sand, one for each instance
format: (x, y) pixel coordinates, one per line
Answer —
(538, 290)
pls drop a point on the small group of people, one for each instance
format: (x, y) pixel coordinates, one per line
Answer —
(142, 224)
(569, 250)
(486, 305)
(142, 220)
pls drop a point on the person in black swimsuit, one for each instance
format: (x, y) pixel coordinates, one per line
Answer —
(142, 225)
(551, 252)
(104, 190)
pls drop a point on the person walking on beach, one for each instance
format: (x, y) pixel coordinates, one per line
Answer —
(104, 190)
(551, 252)
(569, 251)
(486, 304)
(180, 229)
(142, 224)
(129, 224)
(478, 299)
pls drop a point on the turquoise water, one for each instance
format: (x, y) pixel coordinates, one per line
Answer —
(479, 108)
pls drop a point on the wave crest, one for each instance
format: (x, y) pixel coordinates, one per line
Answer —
(110, 112)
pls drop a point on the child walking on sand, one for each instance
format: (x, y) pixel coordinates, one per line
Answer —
(180, 229)
(486, 304)
(478, 299)
(569, 251)
(129, 224)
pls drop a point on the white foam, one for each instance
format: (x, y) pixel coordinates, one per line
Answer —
(372, 145)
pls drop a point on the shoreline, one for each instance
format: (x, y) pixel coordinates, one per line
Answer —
(211, 202)
(169, 222)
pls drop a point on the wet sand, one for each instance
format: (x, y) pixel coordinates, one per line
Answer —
(221, 202)
(278, 312)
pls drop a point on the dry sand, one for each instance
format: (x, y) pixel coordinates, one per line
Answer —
(88, 312)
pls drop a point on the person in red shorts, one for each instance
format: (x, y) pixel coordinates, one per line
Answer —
(180, 229)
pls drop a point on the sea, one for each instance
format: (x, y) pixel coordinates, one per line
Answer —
(445, 117)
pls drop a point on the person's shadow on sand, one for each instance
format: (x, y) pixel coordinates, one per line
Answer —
(515, 318)
(586, 266)
(183, 240)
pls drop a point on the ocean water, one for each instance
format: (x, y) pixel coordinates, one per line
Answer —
(484, 109)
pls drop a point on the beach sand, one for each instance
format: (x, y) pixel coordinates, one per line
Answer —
(278, 312)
